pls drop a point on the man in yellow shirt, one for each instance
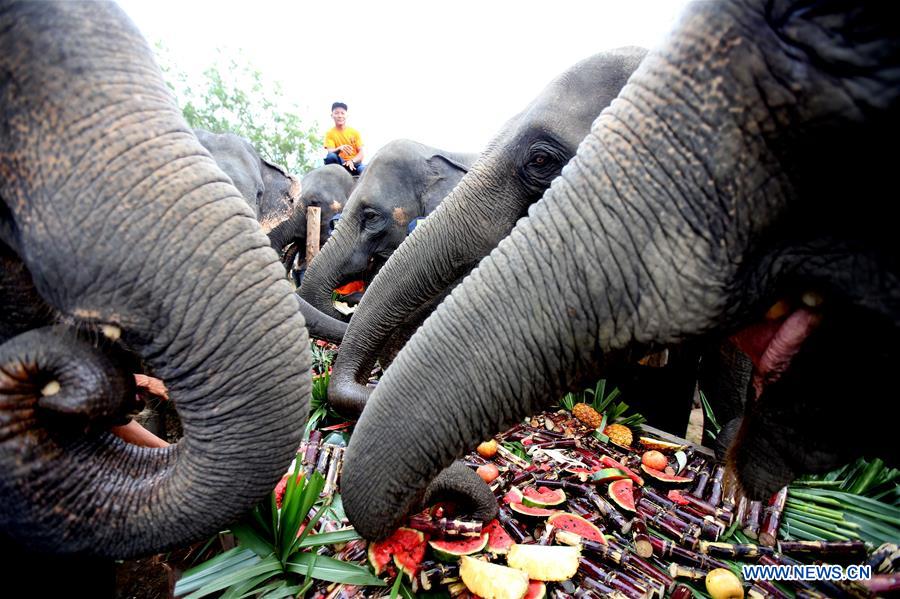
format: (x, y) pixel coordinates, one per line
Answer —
(342, 143)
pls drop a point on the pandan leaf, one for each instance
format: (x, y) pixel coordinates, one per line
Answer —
(332, 570)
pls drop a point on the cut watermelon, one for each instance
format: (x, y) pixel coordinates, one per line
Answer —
(451, 551)
(677, 497)
(578, 525)
(608, 475)
(499, 540)
(622, 492)
(534, 512)
(536, 590)
(611, 463)
(664, 477)
(405, 545)
(542, 496)
(514, 495)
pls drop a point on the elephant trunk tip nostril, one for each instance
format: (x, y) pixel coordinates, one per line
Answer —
(50, 389)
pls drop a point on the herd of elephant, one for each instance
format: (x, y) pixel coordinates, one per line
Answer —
(693, 197)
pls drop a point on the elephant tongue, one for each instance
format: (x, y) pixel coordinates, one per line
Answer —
(772, 343)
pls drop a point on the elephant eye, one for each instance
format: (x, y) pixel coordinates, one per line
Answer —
(539, 159)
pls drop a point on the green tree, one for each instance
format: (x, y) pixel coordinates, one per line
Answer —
(232, 96)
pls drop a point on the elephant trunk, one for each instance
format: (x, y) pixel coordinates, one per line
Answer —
(325, 273)
(289, 231)
(610, 260)
(165, 259)
(417, 275)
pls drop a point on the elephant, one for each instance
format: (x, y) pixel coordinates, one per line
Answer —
(404, 182)
(126, 249)
(511, 174)
(327, 188)
(269, 190)
(712, 189)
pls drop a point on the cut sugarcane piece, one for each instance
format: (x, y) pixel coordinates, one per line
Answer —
(493, 581)
(544, 563)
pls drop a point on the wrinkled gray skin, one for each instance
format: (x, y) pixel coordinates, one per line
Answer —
(404, 181)
(716, 184)
(512, 173)
(327, 188)
(269, 190)
(114, 218)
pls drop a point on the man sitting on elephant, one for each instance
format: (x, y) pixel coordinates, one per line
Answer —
(344, 144)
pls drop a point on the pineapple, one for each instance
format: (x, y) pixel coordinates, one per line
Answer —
(492, 581)
(587, 414)
(544, 562)
(619, 434)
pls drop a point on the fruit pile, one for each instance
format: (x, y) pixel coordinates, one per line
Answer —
(588, 512)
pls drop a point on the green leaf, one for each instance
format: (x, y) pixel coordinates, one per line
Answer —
(223, 564)
(293, 515)
(330, 538)
(268, 566)
(708, 411)
(332, 570)
(287, 591)
(248, 537)
(309, 528)
(395, 590)
(246, 588)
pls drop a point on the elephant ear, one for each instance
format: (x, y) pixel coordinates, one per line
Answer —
(443, 175)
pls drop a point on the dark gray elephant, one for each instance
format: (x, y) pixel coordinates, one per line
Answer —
(117, 225)
(268, 188)
(717, 183)
(327, 188)
(404, 182)
(518, 165)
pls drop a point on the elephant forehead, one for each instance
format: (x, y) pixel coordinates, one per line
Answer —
(400, 216)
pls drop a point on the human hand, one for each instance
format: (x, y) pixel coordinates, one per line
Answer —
(350, 164)
(345, 148)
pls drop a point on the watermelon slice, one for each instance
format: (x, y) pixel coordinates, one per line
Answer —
(451, 551)
(622, 492)
(405, 545)
(664, 477)
(578, 525)
(514, 495)
(499, 540)
(536, 590)
(677, 497)
(533, 512)
(611, 463)
(542, 496)
(608, 475)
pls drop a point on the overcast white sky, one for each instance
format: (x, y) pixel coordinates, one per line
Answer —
(447, 75)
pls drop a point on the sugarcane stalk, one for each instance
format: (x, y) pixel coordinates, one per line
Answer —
(700, 483)
(640, 538)
(606, 509)
(511, 458)
(682, 592)
(751, 526)
(594, 570)
(649, 571)
(852, 550)
(885, 559)
(734, 551)
(882, 583)
(309, 456)
(435, 573)
(445, 527)
(323, 458)
(698, 560)
(511, 525)
(457, 589)
(335, 466)
(814, 587)
(708, 509)
(596, 586)
(715, 486)
(668, 521)
(677, 570)
(768, 532)
(810, 594)
(553, 444)
(761, 589)
(654, 585)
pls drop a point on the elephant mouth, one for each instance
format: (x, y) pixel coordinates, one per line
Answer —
(347, 296)
(772, 343)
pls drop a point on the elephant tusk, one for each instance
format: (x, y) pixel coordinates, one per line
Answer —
(111, 332)
(50, 389)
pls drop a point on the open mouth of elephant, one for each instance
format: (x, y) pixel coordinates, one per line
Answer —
(772, 343)
(347, 296)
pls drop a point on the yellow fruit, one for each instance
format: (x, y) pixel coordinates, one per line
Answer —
(544, 562)
(488, 449)
(723, 584)
(587, 415)
(492, 581)
(660, 445)
(619, 434)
